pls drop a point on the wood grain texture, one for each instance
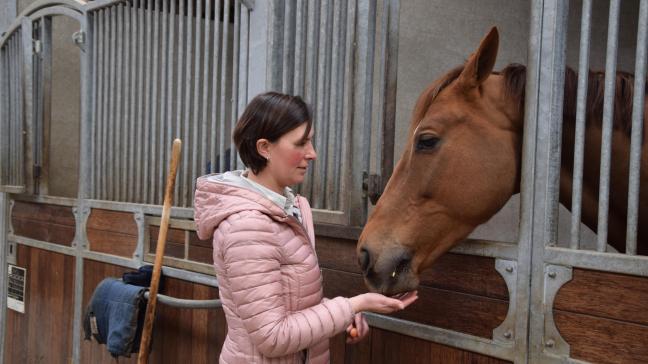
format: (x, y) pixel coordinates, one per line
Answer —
(50, 223)
(471, 314)
(44, 332)
(607, 295)
(175, 242)
(112, 232)
(602, 340)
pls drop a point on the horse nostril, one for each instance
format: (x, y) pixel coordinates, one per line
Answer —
(364, 259)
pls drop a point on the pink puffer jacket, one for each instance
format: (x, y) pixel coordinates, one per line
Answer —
(269, 279)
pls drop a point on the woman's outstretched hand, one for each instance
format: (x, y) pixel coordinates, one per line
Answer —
(376, 302)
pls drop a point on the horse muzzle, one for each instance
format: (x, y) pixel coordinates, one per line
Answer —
(388, 272)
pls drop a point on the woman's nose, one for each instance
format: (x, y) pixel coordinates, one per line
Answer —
(311, 154)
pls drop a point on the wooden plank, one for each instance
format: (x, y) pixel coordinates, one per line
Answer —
(44, 231)
(48, 310)
(117, 221)
(112, 242)
(457, 272)
(61, 215)
(175, 242)
(602, 340)
(471, 314)
(609, 295)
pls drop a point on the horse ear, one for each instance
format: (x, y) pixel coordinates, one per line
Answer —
(481, 63)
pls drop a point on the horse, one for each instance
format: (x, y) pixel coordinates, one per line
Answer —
(462, 163)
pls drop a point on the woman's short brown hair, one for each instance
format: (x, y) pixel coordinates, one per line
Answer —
(268, 116)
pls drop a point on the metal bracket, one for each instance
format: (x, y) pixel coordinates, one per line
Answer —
(37, 46)
(79, 39)
(372, 186)
(138, 254)
(10, 229)
(505, 332)
(555, 277)
(81, 214)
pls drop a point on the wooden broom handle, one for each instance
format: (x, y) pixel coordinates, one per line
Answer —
(159, 254)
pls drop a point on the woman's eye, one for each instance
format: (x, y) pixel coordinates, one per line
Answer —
(427, 142)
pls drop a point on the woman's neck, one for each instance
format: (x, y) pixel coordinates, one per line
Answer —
(266, 180)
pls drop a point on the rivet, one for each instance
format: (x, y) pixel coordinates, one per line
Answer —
(508, 334)
(550, 343)
(551, 274)
(509, 269)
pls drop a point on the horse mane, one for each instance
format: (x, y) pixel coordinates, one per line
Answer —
(515, 80)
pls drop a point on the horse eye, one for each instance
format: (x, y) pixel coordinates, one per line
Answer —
(427, 142)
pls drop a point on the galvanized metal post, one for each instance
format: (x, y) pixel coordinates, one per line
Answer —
(4, 222)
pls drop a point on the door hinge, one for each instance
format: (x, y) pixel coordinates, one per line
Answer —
(372, 186)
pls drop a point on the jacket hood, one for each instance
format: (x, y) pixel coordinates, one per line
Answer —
(220, 195)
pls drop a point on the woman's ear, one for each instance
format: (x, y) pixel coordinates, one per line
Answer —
(263, 148)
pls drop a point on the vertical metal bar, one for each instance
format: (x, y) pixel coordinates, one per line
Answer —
(147, 186)
(141, 122)
(300, 37)
(606, 137)
(164, 91)
(223, 85)
(113, 117)
(170, 101)
(4, 218)
(333, 122)
(235, 79)
(131, 37)
(102, 104)
(243, 76)
(11, 74)
(204, 122)
(288, 47)
(119, 152)
(195, 150)
(26, 111)
(46, 115)
(581, 105)
(345, 192)
(85, 130)
(637, 130)
(124, 115)
(95, 95)
(187, 106)
(310, 84)
(4, 155)
(156, 191)
(214, 134)
(179, 103)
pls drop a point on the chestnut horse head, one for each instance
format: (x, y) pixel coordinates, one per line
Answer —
(459, 167)
(462, 163)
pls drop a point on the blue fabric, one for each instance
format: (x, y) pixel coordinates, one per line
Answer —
(118, 310)
(142, 277)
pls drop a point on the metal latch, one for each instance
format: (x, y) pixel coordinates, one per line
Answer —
(372, 186)
(37, 46)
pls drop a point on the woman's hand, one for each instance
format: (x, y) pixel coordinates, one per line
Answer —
(375, 302)
(357, 330)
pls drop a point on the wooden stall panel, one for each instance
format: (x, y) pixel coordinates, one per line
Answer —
(112, 232)
(50, 223)
(43, 334)
(175, 242)
(604, 317)
(200, 250)
(179, 335)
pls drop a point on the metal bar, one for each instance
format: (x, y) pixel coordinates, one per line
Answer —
(4, 225)
(310, 84)
(119, 131)
(606, 137)
(164, 144)
(127, 136)
(243, 76)
(100, 133)
(187, 105)
(223, 84)
(300, 37)
(235, 80)
(185, 303)
(4, 152)
(93, 101)
(390, 79)
(195, 150)
(157, 188)
(204, 122)
(170, 101)
(178, 127)
(579, 144)
(249, 4)
(111, 174)
(346, 131)
(213, 142)
(335, 98)
(321, 113)
(601, 261)
(148, 188)
(131, 38)
(139, 194)
(85, 132)
(288, 46)
(26, 107)
(637, 130)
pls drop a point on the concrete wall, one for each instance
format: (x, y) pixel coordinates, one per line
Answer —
(438, 35)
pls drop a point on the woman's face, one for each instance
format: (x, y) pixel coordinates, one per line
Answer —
(289, 156)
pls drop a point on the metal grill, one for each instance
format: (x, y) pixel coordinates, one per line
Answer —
(11, 111)
(165, 69)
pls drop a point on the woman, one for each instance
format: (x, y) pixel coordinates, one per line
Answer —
(264, 255)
